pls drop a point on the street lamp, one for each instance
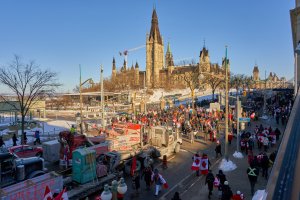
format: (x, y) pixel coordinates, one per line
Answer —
(80, 88)
(226, 100)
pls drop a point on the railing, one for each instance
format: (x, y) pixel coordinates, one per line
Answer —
(284, 179)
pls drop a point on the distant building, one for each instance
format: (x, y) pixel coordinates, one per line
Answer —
(160, 69)
(272, 81)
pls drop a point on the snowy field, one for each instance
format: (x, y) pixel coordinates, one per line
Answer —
(48, 129)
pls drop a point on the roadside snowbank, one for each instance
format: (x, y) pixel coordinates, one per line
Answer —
(227, 165)
(259, 195)
(238, 155)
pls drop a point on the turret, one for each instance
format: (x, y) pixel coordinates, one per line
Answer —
(114, 69)
(137, 74)
(169, 57)
(204, 60)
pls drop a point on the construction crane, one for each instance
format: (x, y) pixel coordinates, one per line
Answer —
(125, 52)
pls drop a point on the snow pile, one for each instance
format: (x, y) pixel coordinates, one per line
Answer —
(265, 117)
(238, 155)
(157, 94)
(227, 165)
(259, 195)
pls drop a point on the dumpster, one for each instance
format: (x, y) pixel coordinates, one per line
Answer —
(84, 165)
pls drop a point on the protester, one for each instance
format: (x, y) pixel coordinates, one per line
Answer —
(218, 149)
(210, 182)
(238, 196)
(37, 137)
(1, 142)
(147, 173)
(136, 182)
(226, 191)
(14, 139)
(159, 181)
(252, 176)
(176, 196)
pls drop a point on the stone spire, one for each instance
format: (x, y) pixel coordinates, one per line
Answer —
(136, 65)
(154, 32)
(124, 65)
(114, 64)
(169, 57)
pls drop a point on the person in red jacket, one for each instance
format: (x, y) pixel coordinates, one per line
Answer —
(238, 196)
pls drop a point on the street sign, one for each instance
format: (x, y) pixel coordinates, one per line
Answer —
(244, 119)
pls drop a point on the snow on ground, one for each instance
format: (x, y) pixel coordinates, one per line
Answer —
(30, 139)
(227, 165)
(157, 93)
(238, 155)
(259, 195)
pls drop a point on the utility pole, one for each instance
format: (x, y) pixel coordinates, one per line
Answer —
(226, 106)
(102, 98)
(81, 131)
(264, 109)
(237, 125)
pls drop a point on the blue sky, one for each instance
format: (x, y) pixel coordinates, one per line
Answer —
(60, 35)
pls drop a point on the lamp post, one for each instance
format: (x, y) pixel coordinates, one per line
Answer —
(80, 93)
(102, 98)
(226, 106)
(226, 100)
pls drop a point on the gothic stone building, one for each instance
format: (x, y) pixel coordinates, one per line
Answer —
(272, 81)
(160, 68)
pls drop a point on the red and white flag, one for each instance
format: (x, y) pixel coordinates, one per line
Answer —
(47, 194)
(196, 165)
(204, 166)
(62, 195)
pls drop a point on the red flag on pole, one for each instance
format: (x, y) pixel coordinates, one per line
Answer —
(133, 166)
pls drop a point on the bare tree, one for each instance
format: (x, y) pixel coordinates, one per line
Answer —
(191, 79)
(214, 83)
(29, 83)
(236, 81)
(248, 82)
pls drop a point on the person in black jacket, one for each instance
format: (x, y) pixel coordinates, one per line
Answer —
(14, 139)
(218, 149)
(252, 176)
(265, 166)
(1, 142)
(221, 177)
(226, 191)
(176, 196)
(210, 182)
(147, 173)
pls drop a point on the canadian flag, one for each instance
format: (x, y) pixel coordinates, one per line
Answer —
(47, 194)
(196, 165)
(204, 165)
(62, 195)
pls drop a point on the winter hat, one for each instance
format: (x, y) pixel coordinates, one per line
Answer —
(238, 192)
(225, 182)
(156, 171)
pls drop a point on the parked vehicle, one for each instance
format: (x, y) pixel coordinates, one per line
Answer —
(25, 151)
(14, 169)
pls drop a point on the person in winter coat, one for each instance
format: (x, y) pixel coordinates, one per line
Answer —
(238, 196)
(277, 132)
(209, 180)
(159, 181)
(221, 177)
(176, 196)
(265, 165)
(147, 173)
(226, 191)
(1, 142)
(252, 173)
(14, 139)
(136, 182)
(218, 149)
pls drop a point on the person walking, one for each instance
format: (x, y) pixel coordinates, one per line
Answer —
(226, 191)
(25, 137)
(238, 196)
(209, 180)
(14, 139)
(1, 141)
(147, 173)
(265, 166)
(176, 196)
(37, 137)
(221, 176)
(218, 149)
(159, 181)
(136, 182)
(252, 176)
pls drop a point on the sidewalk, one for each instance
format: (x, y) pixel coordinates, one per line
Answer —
(238, 179)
